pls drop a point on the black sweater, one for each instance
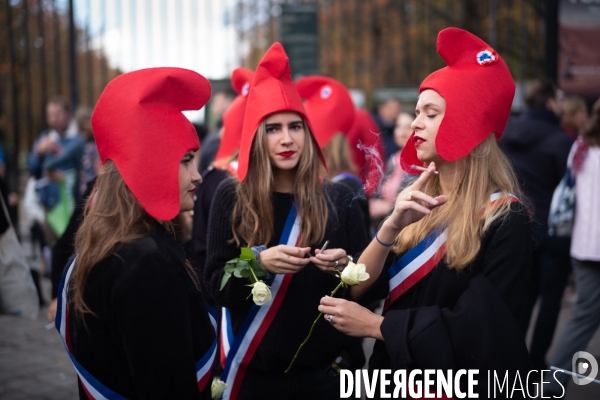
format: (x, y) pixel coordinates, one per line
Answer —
(464, 319)
(151, 326)
(345, 229)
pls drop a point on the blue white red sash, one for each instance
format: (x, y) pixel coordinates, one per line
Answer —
(94, 388)
(241, 349)
(421, 259)
(415, 264)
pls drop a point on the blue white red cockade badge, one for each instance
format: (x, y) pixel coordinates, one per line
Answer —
(245, 89)
(487, 56)
(326, 92)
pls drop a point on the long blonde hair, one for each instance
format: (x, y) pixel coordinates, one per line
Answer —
(252, 219)
(337, 155)
(467, 214)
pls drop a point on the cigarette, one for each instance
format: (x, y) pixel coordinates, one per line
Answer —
(324, 246)
(421, 169)
(49, 326)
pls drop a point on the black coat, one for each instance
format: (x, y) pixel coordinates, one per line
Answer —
(151, 326)
(464, 319)
(538, 149)
(299, 308)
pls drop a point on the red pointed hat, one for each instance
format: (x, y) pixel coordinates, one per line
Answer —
(138, 124)
(233, 119)
(272, 90)
(328, 105)
(478, 89)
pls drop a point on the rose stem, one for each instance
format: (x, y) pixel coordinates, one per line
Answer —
(311, 329)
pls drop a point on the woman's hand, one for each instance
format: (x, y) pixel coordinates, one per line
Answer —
(284, 259)
(351, 318)
(412, 204)
(330, 261)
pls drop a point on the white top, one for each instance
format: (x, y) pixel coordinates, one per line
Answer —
(585, 244)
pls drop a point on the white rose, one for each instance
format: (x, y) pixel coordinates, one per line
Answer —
(217, 388)
(354, 273)
(261, 293)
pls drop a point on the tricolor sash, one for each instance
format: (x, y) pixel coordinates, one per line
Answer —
(415, 264)
(94, 388)
(238, 351)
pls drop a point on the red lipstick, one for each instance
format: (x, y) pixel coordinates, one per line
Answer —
(192, 190)
(418, 140)
(287, 154)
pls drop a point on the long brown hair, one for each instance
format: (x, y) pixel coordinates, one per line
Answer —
(590, 132)
(337, 155)
(252, 219)
(115, 218)
(487, 170)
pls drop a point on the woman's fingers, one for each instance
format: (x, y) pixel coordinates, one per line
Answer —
(332, 301)
(421, 182)
(416, 195)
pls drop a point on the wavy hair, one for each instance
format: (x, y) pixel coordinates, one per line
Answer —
(114, 218)
(467, 214)
(253, 221)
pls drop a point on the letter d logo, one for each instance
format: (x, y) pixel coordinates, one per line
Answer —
(591, 366)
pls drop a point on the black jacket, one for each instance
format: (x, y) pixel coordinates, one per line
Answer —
(345, 229)
(151, 325)
(465, 319)
(538, 149)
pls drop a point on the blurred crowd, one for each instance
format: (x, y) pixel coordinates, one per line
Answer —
(554, 132)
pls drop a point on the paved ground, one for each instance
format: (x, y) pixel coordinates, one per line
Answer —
(33, 361)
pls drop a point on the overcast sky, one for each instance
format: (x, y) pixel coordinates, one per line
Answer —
(149, 33)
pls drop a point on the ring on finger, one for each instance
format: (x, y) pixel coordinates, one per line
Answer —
(336, 264)
(329, 318)
(409, 196)
(288, 256)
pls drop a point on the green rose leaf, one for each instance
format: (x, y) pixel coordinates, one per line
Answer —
(230, 266)
(242, 264)
(247, 254)
(226, 277)
(246, 273)
(237, 273)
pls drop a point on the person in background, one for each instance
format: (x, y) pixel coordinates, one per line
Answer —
(130, 310)
(538, 149)
(220, 102)
(457, 246)
(574, 115)
(224, 166)
(385, 118)
(585, 251)
(330, 110)
(395, 178)
(90, 160)
(55, 162)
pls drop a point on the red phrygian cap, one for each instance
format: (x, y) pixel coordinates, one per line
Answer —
(328, 105)
(233, 118)
(138, 124)
(478, 89)
(272, 90)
